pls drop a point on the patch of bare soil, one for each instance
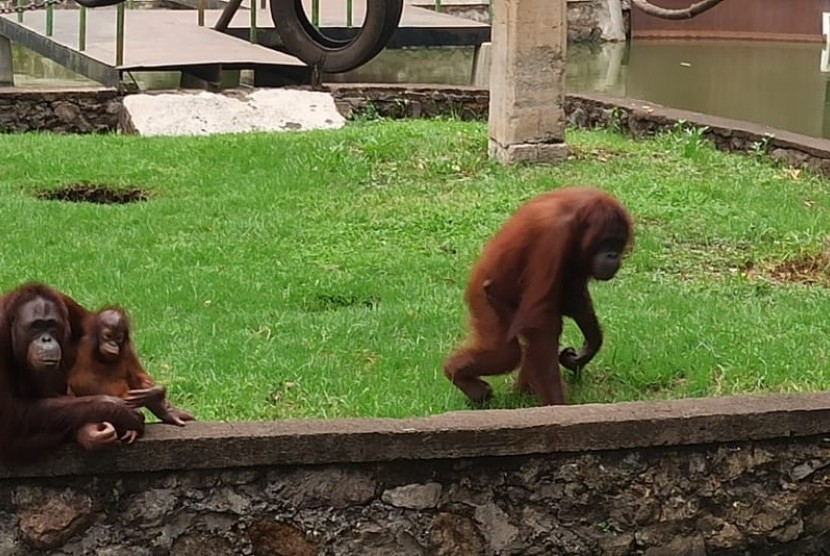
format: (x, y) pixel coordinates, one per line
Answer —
(810, 269)
(94, 193)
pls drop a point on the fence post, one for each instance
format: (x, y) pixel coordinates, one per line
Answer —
(253, 32)
(82, 29)
(50, 15)
(119, 34)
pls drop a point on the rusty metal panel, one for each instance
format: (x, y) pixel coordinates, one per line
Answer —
(798, 20)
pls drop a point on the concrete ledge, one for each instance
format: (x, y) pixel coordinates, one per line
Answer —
(463, 434)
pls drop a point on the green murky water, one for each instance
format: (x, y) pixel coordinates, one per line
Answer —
(773, 83)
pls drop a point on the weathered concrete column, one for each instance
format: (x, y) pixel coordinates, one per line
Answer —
(527, 81)
(6, 69)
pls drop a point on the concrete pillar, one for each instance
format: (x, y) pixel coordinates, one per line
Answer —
(6, 68)
(527, 81)
(611, 21)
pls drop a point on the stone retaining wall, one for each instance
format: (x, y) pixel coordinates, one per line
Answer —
(718, 476)
(59, 111)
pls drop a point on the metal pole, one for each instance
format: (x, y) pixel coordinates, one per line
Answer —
(348, 13)
(50, 17)
(253, 22)
(437, 5)
(20, 5)
(202, 12)
(315, 13)
(82, 29)
(227, 15)
(119, 34)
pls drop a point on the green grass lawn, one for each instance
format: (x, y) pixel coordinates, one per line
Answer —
(321, 274)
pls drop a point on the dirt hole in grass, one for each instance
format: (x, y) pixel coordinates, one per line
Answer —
(95, 193)
(808, 269)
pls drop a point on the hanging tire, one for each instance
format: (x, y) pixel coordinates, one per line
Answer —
(98, 3)
(301, 39)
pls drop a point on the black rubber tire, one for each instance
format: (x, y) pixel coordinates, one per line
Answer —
(98, 3)
(301, 39)
(311, 30)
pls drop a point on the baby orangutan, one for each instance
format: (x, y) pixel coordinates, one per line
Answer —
(107, 364)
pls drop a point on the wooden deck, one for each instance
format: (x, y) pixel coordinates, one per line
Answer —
(171, 40)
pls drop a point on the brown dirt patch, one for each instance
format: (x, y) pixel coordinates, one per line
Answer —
(92, 193)
(809, 269)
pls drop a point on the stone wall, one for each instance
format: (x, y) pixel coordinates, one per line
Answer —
(59, 111)
(717, 476)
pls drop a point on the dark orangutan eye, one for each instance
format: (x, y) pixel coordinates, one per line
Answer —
(42, 325)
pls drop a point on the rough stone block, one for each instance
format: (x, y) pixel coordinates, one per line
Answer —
(533, 153)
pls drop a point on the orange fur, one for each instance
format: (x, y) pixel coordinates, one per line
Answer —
(536, 268)
(91, 376)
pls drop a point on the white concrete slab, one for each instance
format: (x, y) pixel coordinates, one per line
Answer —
(211, 113)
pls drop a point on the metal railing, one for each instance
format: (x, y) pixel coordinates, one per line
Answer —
(23, 6)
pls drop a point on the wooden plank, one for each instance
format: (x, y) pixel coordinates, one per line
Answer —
(153, 39)
(161, 39)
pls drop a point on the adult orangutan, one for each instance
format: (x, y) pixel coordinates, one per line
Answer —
(39, 331)
(107, 364)
(534, 271)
